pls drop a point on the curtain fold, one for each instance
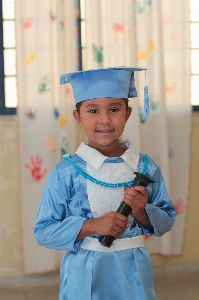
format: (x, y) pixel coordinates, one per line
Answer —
(177, 77)
(46, 33)
(154, 132)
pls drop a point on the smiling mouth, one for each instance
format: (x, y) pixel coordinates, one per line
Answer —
(104, 131)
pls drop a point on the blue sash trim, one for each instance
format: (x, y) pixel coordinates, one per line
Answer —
(106, 184)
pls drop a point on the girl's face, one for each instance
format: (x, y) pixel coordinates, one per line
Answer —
(103, 121)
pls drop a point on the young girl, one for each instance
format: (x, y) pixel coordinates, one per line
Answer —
(84, 190)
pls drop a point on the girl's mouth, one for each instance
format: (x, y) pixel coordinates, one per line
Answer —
(104, 132)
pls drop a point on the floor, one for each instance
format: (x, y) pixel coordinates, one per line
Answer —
(177, 289)
(179, 285)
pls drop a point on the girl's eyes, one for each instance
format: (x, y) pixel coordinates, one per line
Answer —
(95, 111)
(114, 109)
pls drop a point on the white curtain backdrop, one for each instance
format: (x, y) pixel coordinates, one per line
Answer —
(46, 32)
(152, 34)
(145, 33)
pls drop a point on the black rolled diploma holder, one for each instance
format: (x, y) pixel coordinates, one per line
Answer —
(125, 209)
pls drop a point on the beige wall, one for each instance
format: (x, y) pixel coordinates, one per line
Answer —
(10, 226)
(10, 230)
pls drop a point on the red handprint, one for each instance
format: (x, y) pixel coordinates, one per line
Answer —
(170, 88)
(35, 169)
(123, 29)
(180, 207)
(27, 23)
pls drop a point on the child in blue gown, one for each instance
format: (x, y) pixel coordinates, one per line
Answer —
(84, 190)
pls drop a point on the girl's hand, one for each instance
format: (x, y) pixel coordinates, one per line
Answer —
(112, 223)
(137, 198)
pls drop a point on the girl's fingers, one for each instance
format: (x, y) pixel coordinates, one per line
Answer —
(131, 197)
(136, 194)
(120, 217)
(141, 189)
(138, 189)
(132, 203)
(119, 229)
(121, 224)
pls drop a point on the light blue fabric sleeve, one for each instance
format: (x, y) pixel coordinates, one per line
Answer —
(160, 209)
(56, 227)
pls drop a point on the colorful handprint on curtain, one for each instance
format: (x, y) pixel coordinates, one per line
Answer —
(170, 88)
(49, 141)
(64, 147)
(56, 113)
(122, 29)
(63, 121)
(52, 15)
(31, 113)
(142, 5)
(29, 60)
(154, 105)
(180, 206)
(144, 54)
(27, 23)
(35, 168)
(44, 84)
(61, 25)
(97, 54)
(169, 34)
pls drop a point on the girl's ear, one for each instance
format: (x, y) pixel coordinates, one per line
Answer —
(77, 117)
(128, 113)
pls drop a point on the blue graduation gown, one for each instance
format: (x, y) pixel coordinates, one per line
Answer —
(64, 207)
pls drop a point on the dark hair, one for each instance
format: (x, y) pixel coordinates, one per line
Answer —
(78, 105)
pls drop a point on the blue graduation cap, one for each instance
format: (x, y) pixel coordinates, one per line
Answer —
(117, 82)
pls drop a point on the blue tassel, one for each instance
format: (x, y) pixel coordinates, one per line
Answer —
(146, 102)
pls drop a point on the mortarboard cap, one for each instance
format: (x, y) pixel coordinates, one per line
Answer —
(117, 82)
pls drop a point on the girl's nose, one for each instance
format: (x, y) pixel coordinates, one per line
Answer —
(105, 118)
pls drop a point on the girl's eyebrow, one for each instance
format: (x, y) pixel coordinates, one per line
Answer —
(115, 103)
(92, 105)
(96, 105)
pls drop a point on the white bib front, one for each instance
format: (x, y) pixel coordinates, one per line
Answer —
(104, 199)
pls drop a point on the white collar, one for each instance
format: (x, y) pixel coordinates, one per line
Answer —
(95, 158)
